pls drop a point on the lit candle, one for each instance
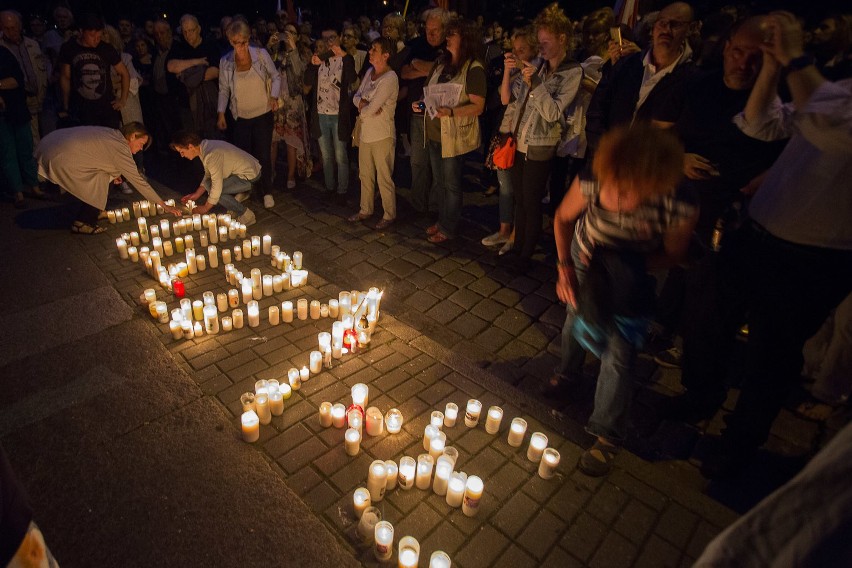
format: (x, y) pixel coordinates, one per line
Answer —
(200, 263)
(222, 302)
(345, 303)
(316, 362)
(451, 413)
(352, 440)
(255, 246)
(323, 310)
(198, 310)
(336, 339)
(211, 320)
(443, 471)
(393, 420)
(315, 309)
(367, 525)
(188, 329)
(375, 422)
(276, 402)
(538, 442)
(302, 308)
(472, 496)
(251, 426)
(294, 378)
(354, 418)
(325, 414)
(360, 394)
(429, 432)
(409, 552)
(133, 253)
(517, 431)
(238, 253)
(277, 283)
(267, 244)
(440, 559)
(186, 308)
(261, 405)
(196, 222)
(297, 260)
(174, 328)
(274, 315)
(383, 549)
(246, 250)
(122, 248)
(267, 285)
(407, 469)
(471, 415)
(393, 474)
(227, 323)
(285, 390)
(237, 316)
(455, 490)
(436, 445)
(451, 453)
(134, 239)
(360, 501)
(246, 286)
(287, 311)
(226, 255)
(493, 419)
(247, 401)
(549, 461)
(377, 478)
(425, 463)
(333, 308)
(253, 314)
(436, 419)
(304, 373)
(338, 415)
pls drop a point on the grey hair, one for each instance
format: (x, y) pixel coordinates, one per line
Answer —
(238, 28)
(437, 13)
(189, 17)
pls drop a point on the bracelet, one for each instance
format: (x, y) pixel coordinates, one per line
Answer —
(564, 264)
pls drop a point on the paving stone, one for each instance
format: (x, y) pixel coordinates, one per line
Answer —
(442, 290)
(444, 312)
(303, 480)
(421, 521)
(542, 532)
(540, 489)
(353, 474)
(483, 549)
(615, 552)
(423, 278)
(465, 385)
(390, 363)
(515, 514)
(475, 440)
(559, 558)
(506, 297)
(444, 266)
(216, 384)
(287, 440)
(391, 379)
(702, 537)
(296, 409)
(445, 537)
(494, 339)
(320, 497)
(405, 500)
(301, 455)
(534, 305)
(459, 278)
(421, 300)
(569, 500)
(465, 298)
(657, 553)
(406, 391)
(391, 446)
(484, 286)
(583, 536)
(677, 525)
(636, 521)
(512, 321)
(468, 325)
(607, 503)
(537, 336)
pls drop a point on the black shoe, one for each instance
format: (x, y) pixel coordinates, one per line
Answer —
(690, 408)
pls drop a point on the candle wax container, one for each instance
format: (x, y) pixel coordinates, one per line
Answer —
(316, 362)
(250, 426)
(436, 419)
(436, 445)
(407, 471)
(516, 432)
(425, 464)
(294, 378)
(549, 462)
(377, 478)
(409, 552)
(261, 406)
(375, 422)
(451, 413)
(393, 475)
(247, 401)
(472, 496)
(538, 442)
(360, 394)
(429, 432)
(393, 421)
(360, 501)
(352, 442)
(455, 490)
(338, 415)
(471, 415)
(383, 549)
(325, 414)
(451, 453)
(443, 471)
(367, 525)
(493, 419)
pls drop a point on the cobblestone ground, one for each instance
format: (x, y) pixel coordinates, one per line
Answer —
(455, 325)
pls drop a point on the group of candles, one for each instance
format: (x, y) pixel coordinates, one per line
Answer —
(372, 529)
(267, 401)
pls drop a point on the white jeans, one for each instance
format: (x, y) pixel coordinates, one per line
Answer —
(375, 162)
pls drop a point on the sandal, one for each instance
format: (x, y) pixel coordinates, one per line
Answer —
(438, 238)
(432, 230)
(103, 215)
(82, 228)
(358, 217)
(815, 410)
(597, 460)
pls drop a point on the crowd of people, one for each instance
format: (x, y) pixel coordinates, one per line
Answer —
(711, 150)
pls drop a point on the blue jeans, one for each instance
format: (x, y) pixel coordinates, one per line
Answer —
(424, 195)
(17, 164)
(447, 173)
(506, 203)
(333, 149)
(231, 186)
(616, 385)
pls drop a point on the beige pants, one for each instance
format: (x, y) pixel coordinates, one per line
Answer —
(375, 162)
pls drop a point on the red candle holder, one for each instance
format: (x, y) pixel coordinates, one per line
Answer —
(178, 288)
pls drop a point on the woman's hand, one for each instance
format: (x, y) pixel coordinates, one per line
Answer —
(567, 286)
(273, 104)
(617, 51)
(415, 107)
(194, 196)
(444, 111)
(315, 60)
(698, 167)
(528, 71)
(221, 123)
(202, 209)
(510, 62)
(173, 210)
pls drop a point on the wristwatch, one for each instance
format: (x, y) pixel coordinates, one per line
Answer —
(800, 62)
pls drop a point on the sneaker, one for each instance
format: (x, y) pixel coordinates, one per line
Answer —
(670, 358)
(291, 184)
(268, 201)
(242, 196)
(247, 218)
(495, 239)
(506, 247)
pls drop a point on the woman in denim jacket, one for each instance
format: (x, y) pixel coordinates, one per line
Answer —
(249, 85)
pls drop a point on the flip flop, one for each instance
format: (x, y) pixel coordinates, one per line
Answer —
(82, 228)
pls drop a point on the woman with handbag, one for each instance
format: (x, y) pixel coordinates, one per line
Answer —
(547, 91)
(524, 50)
(376, 101)
(454, 130)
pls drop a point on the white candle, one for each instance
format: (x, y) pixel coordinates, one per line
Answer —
(451, 453)
(200, 263)
(226, 255)
(238, 253)
(538, 442)
(302, 309)
(274, 315)
(375, 422)
(493, 419)
(377, 478)
(393, 474)
(198, 310)
(360, 394)
(316, 362)
(297, 260)
(276, 403)
(255, 246)
(345, 303)
(133, 253)
(251, 426)
(246, 250)
(202, 240)
(287, 311)
(338, 415)
(360, 501)
(393, 420)
(352, 440)
(517, 431)
(253, 311)
(213, 255)
(333, 308)
(227, 323)
(472, 496)
(174, 328)
(315, 309)
(188, 242)
(383, 549)
(237, 316)
(367, 525)
(425, 463)
(409, 552)
(548, 464)
(323, 310)
(436, 445)
(451, 413)
(186, 308)
(407, 470)
(325, 414)
(354, 419)
(443, 471)
(246, 286)
(455, 490)
(134, 239)
(429, 432)
(261, 405)
(122, 248)
(277, 283)
(222, 302)
(440, 559)
(294, 378)
(196, 222)
(267, 244)
(211, 320)
(285, 390)
(267, 285)
(471, 415)
(304, 373)
(436, 419)
(336, 339)
(247, 401)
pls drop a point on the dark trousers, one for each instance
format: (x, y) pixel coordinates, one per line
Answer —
(254, 135)
(784, 292)
(166, 120)
(565, 168)
(88, 214)
(529, 182)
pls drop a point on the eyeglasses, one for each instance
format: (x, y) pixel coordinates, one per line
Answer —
(348, 36)
(674, 25)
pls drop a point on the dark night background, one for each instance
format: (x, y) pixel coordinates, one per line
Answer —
(209, 11)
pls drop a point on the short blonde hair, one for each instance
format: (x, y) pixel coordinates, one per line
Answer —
(554, 20)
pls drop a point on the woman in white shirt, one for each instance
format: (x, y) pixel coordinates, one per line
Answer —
(376, 103)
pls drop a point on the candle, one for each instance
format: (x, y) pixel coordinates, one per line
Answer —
(134, 239)
(471, 415)
(277, 283)
(355, 418)
(255, 246)
(315, 309)
(246, 251)
(274, 315)
(375, 422)
(549, 461)
(360, 394)
(407, 469)
(451, 413)
(393, 474)
(440, 559)
(253, 314)
(261, 405)
(336, 339)
(316, 362)
(443, 470)
(302, 308)
(323, 310)
(175, 329)
(367, 525)
(333, 308)
(352, 441)
(122, 248)
(285, 390)
(287, 311)
(247, 401)
(360, 501)
(276, 402)
(251, 426)
(493, 419)
(437, 419)
(133, 253)
(377, 478)
(196, 222)
(227, 323)
(436, 445)
(383, 536)
(267, 244)
(267, 285)
(200, 263)
(429, 432)
(297, 260)
(186, 308)
(211, 320)
(212, 254)
(246, 287)
(304, 373)
(455, 489)
(538, 442)
(451, 453)
(178, 288)
(238, 253)
(237, 315)
(294, 378)
(198, 310)
(409, 552)
(517, 431)
(472, 496)
(208, 298)
(345, 303)
(425, 463)
(226, 255)
(188, 242)
(325, 414)
(393, 420)
(338, 415)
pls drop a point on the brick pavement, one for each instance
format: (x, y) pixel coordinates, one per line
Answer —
(455, 325)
